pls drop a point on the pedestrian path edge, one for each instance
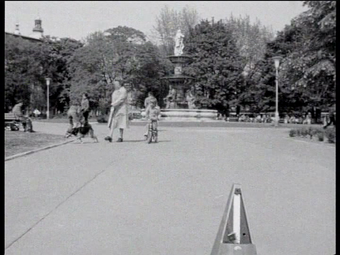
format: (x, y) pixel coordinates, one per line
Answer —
(36, 150)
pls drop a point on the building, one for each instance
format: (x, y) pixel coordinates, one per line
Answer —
(37, 33)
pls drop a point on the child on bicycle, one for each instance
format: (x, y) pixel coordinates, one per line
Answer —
(152, 113)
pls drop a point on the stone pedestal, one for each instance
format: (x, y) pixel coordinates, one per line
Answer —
(176, 102)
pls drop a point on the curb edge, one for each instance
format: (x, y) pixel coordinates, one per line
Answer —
(37, 150)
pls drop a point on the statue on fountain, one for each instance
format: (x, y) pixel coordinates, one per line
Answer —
(190, 98)
(179, 45)
(170, 99)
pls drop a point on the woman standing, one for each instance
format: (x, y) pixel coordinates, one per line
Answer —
(119, 111)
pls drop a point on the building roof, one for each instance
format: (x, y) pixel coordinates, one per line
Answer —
(25, 37)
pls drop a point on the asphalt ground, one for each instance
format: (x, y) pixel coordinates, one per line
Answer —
(169, 197)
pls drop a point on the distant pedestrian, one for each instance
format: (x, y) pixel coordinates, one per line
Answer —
(73, 116)
(85, 108)
(36, 113)
(286, 119)
(147, 100)
(331, 117)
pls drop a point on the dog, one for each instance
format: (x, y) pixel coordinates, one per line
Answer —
(27, 124)
(82, 131)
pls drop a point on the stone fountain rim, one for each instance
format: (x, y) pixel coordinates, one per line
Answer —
(189, 110)
(182, 59)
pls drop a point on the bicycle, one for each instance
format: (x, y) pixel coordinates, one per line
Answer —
(152, 132)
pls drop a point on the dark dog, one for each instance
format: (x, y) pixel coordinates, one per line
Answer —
(82, 131)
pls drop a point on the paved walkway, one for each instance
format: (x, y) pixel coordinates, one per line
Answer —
(168, 198)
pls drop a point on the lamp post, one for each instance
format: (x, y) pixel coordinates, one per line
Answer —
(48, 80)
(277, 64)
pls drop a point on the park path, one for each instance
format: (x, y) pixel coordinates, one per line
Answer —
(168, 198)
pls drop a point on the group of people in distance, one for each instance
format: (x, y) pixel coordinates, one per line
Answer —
(118, 118)
(78, 113)
(119, 111)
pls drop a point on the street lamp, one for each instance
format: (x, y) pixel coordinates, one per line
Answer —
(48, 80)
(277, 64)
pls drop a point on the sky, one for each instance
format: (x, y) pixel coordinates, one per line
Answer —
(78, 19)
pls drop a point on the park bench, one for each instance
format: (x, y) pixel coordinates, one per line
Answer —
(12, 121)
(10, 117)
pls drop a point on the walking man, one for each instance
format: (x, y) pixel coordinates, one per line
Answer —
(85, 107)
(331, 118)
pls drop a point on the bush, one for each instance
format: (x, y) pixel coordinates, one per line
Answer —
(320, 136)
(304, 132)
(292, 133)
(320, 133)
(311, 132)
(330, 134)
(298, 132)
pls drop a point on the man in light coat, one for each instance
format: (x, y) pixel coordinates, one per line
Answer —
(119, 111)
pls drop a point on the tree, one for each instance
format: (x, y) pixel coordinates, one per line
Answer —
(28, 63)
(309, 66)
(117, 52)
(216, 64)
(20, 70)
(307, 71)
(251, 39)
(169, 21)
(54, 62)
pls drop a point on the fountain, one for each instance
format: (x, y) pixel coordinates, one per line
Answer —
(180, 101)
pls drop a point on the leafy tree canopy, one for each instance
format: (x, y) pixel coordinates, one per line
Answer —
(216, 64)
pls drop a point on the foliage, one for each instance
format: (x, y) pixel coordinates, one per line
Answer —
(119, 52)
(20, 70)
(317, 132)
(216, 64)
(292, 132)
(330, 134)
(304, 132)
(307, 72)
(251, 39)
(321, 136)
(28, 63)
(169, 21)
(57, 53)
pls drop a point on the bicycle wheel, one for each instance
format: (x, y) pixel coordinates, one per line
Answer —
(156, 136)
(149, 139)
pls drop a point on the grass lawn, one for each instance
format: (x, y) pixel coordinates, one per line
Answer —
(19, 141)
